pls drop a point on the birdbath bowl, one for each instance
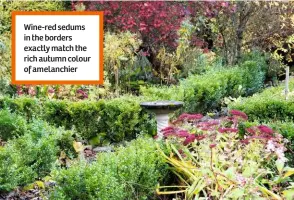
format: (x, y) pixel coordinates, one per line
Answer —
(162, 109)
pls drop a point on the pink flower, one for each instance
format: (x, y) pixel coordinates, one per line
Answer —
(251, 131)
(183, 133)
(169, 128)
(212, 146)
(188, 117)
(265, 129)
(168, 133)
(200, 137)
(189, 139)
(270, 146)
(245, 141)
(239, 114)
(281, 155)
(50, 90)
(32, 91)
(228, 130)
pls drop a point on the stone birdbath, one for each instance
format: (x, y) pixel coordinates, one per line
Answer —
(162, 109)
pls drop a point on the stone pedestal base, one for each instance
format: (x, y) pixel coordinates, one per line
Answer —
(162, 122)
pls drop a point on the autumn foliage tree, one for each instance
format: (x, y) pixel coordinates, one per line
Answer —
(156, 22)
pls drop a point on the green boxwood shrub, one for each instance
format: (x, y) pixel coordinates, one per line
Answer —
(11, 125)
(117, 119)
(131, 172)
(270, 104)
(24, 106)
(32, 155)
(202, 93)
(111, 120)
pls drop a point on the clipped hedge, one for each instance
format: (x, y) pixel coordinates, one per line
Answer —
(113, 120)
(268, 105)
(202, 93)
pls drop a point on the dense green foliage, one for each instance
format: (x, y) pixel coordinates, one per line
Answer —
(112, 120)
(202, 93)
(11, 125)
(267, 105)
(130, 172)
(32, 155)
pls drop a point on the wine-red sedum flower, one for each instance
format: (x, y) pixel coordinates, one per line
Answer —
(239, 114)
(189, 117)
(189, 139)
(251, 131)
(183, 133)
(228, 130)
(265, 129)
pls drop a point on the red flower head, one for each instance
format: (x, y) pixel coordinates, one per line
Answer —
(239, 114)
(212, 146)
(245, 141)
(228, 130)
(251, 131)
(183, 133)
(168, 131)
(189, 117)
(265, 129)
(200, 137)
(189, 139)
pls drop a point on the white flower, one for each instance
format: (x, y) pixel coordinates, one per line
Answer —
(280, 153)
(270, 146)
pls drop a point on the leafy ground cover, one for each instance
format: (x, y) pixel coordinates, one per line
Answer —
(214, 159)
(205, 157)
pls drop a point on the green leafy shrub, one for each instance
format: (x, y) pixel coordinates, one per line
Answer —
(11, 125)
(32, 155)
(267, 105)
(25, 106)
(202, 93)
(111, 120)
(212, 158)
(131, 172)
(119, 53)
(116, 120)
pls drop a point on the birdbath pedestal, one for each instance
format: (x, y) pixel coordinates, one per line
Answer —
(162, 109)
